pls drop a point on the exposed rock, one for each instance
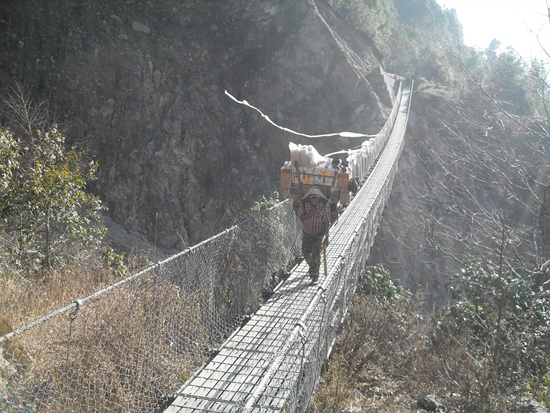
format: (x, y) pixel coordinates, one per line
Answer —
(402, 244)
(430, 403)
(142, 85)
(138, 27)
(176, 155)
(532, 406)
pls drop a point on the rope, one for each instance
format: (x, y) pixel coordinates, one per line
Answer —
(342, 134)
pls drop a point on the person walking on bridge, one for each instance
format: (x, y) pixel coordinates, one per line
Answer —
(314, 212)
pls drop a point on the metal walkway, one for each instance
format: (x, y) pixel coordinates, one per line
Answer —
(273, 362)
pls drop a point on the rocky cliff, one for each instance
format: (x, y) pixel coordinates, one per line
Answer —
(404, 239)
(142, 85)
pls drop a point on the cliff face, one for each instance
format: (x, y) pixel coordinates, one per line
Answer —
(142, 85)
(404, 239)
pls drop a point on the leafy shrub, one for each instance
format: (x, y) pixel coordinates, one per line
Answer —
(376, 18)
(264, 203)
(114, 262)
(501, 326)
(387, 356)
(378, 283)
(380, 335)
(44, 205)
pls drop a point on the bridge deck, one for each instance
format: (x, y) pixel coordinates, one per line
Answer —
(230, 377)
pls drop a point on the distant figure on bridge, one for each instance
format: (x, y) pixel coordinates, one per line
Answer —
(314, 212)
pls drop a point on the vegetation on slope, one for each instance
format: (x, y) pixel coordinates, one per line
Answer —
(485, 207)
(487, 351)
(51, 249)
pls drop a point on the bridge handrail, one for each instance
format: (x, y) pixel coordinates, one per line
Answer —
(363, 161)
(79, 302)
(342, 281)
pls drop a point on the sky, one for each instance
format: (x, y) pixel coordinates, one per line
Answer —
(509, 21)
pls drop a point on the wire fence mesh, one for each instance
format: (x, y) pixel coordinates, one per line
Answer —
(362, 161)
(126, 348)
(288, 384)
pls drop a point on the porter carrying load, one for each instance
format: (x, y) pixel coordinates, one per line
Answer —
(307, 168)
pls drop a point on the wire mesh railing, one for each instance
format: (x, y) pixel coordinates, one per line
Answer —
(294, 370)
(128, 347)
(363, 160)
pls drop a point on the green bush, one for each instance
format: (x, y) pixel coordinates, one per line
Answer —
(376, 18)
(44, 207)
(264, 203)
(502, 322)
(377, 282)
(114, 262)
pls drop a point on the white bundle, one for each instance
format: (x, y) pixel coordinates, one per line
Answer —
(305, 155)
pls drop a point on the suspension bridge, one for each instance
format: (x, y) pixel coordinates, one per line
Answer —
(191, 334)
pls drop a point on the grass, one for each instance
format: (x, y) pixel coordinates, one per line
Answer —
(124, 349)
(121, 351)
(25, 298)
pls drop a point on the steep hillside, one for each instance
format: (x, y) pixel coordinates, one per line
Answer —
(403, 244)
(142, 85)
